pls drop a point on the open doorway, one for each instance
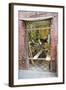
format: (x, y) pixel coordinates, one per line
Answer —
(39, 43)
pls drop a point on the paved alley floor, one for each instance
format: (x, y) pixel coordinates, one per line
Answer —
(35, 72)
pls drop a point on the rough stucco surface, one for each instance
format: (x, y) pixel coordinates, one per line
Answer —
(22, 45)
(54, 41)
(22, 40)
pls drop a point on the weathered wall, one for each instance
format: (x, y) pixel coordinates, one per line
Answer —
(23, 64)
(22, 45)
(54, 41)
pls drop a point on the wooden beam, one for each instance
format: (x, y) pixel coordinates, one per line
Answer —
(37, 18)
(40, 28)
(37, 55)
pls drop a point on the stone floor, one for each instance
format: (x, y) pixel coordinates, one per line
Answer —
(35, 72)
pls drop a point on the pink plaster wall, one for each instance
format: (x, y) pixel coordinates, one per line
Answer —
(54, 41)
(22, 45)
